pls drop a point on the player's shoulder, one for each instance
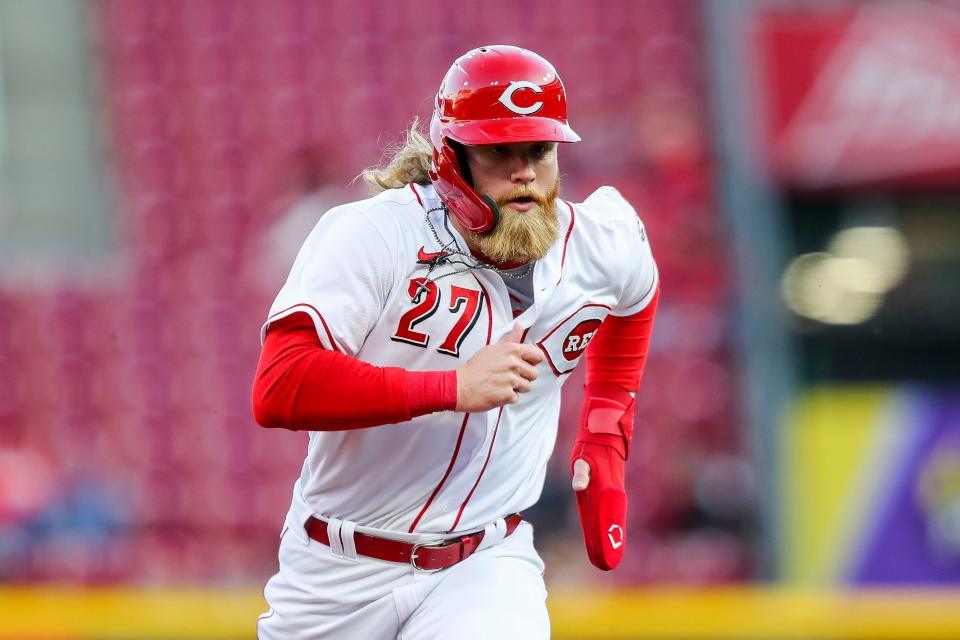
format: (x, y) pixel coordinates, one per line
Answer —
(608, 230)
(384, 202)
(607, 205)
(385, 213)
(379, 208)
(606, 217)
(362, 226)
(613, 243)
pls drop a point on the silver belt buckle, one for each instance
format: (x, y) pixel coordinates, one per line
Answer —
(413, 554)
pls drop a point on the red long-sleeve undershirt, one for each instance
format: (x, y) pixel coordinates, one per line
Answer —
(615, 360)
(299, 385)
(618, 351)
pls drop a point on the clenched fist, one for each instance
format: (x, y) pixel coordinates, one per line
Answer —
(497, 374)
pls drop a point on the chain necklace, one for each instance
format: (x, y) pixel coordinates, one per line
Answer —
(452, 248)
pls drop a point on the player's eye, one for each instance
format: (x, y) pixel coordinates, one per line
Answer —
(540, 150)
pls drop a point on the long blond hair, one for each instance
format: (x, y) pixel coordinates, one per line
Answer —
(408, 162)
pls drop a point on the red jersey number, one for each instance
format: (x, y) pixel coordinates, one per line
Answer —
(468, 300)
(426, 299)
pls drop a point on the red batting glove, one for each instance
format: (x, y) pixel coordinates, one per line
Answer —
(603, 504)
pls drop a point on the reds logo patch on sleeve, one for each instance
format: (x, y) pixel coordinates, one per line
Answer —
(565, 343)
(578, 339)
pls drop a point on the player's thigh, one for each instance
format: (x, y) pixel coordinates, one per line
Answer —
(491, 595)
(315, 595)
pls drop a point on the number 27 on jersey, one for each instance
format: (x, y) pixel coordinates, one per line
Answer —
(426, 298)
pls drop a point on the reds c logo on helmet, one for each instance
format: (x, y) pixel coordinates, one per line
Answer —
(492, 95)
(506, 98)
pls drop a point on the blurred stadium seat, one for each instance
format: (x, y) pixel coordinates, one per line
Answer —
(207, 106)
(810, 451)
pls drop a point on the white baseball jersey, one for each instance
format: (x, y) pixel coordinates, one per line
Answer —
(361, 275)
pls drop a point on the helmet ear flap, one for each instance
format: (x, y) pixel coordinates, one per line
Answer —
(463, 167)
(477, 213)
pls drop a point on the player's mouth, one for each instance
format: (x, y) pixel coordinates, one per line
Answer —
(523, 203)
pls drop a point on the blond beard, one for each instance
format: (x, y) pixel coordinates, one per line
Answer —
(522, 236)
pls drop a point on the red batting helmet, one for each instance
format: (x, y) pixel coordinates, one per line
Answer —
(492, 95)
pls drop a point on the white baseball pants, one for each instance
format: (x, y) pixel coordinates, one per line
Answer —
(498, 592)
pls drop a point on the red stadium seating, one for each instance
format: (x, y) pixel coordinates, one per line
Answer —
(140, 386)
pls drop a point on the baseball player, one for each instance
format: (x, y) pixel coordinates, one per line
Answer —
(422, 339)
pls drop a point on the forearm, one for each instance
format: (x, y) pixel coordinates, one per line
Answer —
(618, 352)
(615, 361)
(300, 385)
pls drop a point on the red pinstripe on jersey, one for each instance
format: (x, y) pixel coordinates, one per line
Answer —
(484, 468)
(566, 238)
(492, 440)
(463, 425)
(414, 189)
(436, 490)
(333, 343)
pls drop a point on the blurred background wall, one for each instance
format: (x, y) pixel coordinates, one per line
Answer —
(796, 165)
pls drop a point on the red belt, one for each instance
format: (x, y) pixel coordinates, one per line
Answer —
(425, 557)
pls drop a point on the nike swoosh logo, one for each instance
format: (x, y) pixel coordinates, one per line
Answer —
(427, 257)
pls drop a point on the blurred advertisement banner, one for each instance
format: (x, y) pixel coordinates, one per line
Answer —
(872, 487)
(865, 96)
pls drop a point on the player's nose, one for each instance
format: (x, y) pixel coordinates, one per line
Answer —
(522, 171)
